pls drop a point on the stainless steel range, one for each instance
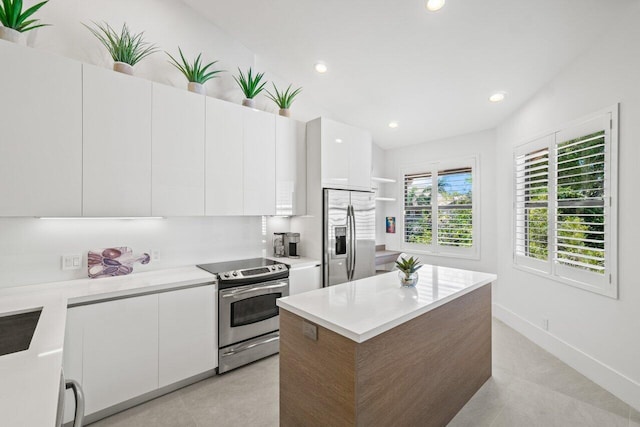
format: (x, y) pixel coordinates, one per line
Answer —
(248, 317)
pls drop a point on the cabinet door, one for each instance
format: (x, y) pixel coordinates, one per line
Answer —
(360, 161)
(336, 138)
(259, 162)
(120, 351)
(41, 139)
(304, 279)
(177, 184)
(224, 164)
(116, 144)
(188, 330)
(291, 155)
(72, 357)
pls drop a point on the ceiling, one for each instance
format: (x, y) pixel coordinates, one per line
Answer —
(392, 60)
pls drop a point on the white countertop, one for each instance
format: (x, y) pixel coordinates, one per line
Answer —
(295, 263)
(362, 309)
(29, 380)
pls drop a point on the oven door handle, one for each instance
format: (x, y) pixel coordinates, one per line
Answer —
(249, 346)
(257, 288)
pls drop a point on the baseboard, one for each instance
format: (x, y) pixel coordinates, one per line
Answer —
(608, 378)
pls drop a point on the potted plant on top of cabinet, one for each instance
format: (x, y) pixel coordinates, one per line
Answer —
(126, 48)
(283, 99)
(195, 72)
(15, 22)
(251, 86)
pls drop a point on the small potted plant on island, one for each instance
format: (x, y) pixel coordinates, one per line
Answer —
(251, 86)
(126, 49)
(283, 99)
(15, 22)
(195, 72)
(408, 273)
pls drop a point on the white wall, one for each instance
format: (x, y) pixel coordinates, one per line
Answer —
(598, 335)
(30, 248)
(481, 144)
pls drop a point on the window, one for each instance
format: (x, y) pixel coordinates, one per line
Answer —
(439, 213)
(565, 184)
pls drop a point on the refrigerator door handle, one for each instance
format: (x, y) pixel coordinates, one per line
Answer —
(349, 247)
(353, 242)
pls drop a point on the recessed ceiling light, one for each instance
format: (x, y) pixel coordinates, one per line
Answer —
(434, 5)
(497, 97)
(393, 125)
(338, 141)
(321, 67)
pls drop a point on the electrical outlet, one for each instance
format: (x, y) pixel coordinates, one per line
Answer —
(545, 324)
(155, 255)
(71, 262)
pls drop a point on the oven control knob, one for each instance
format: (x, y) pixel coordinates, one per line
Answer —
(279, 267)
(235, 273)
(226, 275)
(273, 267)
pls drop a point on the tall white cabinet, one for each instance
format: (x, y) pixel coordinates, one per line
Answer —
(41, 137)
(240, 160)
(116, 144)
(177, 153)
(291, 167)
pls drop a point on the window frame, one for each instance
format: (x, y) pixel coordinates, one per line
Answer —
(434, 167)
(607, 284)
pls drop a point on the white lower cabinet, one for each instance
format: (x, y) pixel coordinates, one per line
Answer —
(121, 349)
(188, 327)
(304, 279)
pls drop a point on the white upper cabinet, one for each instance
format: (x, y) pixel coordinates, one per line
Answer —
(224, 164)
(345, 154)
(259, 162)
(41, 138)
(116, 144)
(291, 167)
(178, 139)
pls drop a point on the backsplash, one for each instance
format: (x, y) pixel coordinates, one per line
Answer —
(31, 248)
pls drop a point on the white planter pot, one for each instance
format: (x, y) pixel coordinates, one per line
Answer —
(197, 88)
(11, 35)
(251, 103)
(285, 112)
(123, 68)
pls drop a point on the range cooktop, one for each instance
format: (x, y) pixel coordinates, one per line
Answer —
(246, 271)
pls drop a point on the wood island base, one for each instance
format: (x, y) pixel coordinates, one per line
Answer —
(420, 373)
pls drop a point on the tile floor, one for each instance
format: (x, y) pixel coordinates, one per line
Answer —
(529, 387)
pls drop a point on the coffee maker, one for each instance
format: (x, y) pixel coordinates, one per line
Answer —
(291, 243)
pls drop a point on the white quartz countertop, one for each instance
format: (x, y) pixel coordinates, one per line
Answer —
(296, 263)
(362, 309)
(29, 380)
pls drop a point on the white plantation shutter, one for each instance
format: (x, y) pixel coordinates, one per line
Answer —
(571, 175)
(439, 211)
(418, 208)
(455, 208)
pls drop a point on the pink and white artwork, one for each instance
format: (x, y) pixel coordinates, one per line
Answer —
(114, 261)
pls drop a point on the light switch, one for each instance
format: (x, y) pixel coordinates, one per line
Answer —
(71, 262)
(310, 330)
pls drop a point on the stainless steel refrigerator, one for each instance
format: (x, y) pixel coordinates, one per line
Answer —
(349, 236)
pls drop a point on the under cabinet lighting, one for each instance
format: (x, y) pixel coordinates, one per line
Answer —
(435, 5)
(144, 218)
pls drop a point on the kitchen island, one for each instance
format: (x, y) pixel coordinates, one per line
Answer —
(370, 352)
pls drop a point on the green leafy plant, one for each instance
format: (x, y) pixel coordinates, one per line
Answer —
(195, 72)
(408, 266)
(251, 85)
(12, 16)
(283, 99)
(124, 47)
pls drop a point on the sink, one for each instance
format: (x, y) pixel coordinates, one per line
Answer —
(16, 330)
